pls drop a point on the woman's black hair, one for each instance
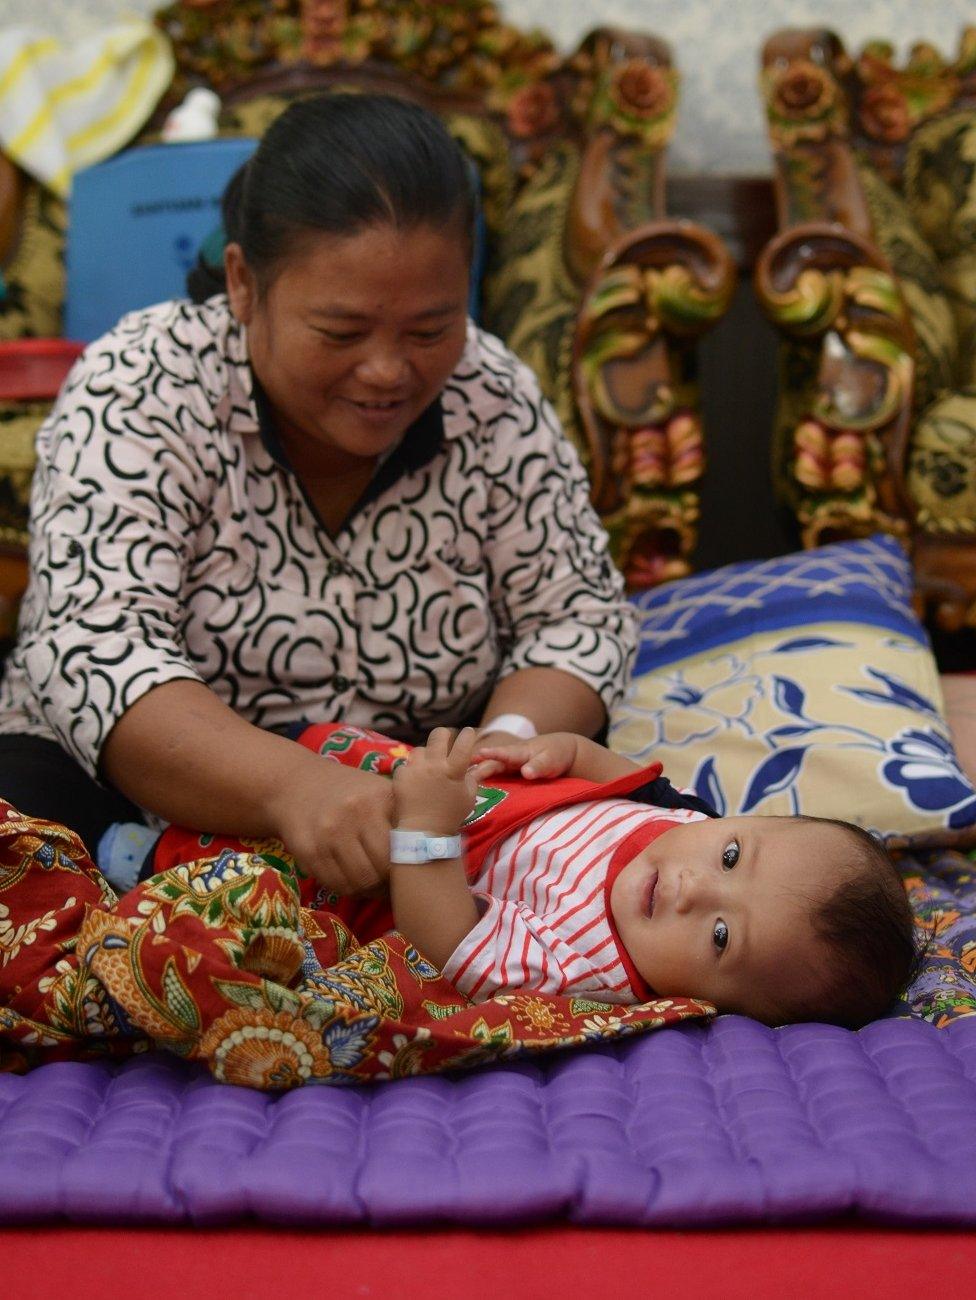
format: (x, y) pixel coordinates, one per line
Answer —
(338, 163)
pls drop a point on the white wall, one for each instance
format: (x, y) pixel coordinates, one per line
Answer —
(715, 43)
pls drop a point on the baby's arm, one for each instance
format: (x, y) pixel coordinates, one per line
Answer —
(434, 790)
(559, 754)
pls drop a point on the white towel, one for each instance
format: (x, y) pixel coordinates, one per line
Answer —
(64, 107)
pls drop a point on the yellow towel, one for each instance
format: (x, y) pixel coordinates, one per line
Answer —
(62, 108)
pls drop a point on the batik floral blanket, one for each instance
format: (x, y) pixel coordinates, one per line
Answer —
(218, 961)
(942, 891)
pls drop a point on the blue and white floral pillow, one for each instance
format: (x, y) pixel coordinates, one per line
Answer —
(802, 684)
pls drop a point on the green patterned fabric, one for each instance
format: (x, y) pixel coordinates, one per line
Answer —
(940, 190)
(531, 300)
(928, 233)
(30, 307)
(19, 422)
(485, 143)
(942, 464)
(917, 270)
(33, 279)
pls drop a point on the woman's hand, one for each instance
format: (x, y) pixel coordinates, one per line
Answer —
(435, 788)
(542, 756)
(336, 822)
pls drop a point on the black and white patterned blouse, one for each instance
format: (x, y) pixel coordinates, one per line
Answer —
(170, 540)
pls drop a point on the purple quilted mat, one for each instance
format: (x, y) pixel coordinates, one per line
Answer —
(733, 1123)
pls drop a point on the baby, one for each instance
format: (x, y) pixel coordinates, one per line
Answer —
(779, 918)
(575, 871)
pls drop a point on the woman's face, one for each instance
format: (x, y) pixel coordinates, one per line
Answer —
(355, 335)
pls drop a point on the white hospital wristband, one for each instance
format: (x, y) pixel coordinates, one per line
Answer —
(516, 724)
(415, 847)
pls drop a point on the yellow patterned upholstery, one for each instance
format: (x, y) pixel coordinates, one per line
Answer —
(942, 461)
(531, 299)
(917, 269)
(33, 279)
(928, 233)
(940, 190)
(30, 307)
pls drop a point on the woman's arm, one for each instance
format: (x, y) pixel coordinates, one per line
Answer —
(551, 699)
(182, 753)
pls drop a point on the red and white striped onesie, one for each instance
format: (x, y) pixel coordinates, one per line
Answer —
(546, 924)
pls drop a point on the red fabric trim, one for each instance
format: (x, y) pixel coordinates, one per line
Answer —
(625, 852)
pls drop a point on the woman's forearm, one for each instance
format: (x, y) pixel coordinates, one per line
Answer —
(552, 699)
(180, 752)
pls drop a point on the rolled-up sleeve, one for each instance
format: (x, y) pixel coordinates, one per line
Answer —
(558, 599)
(115, 501)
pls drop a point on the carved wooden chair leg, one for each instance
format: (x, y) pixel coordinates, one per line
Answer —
(655, 291)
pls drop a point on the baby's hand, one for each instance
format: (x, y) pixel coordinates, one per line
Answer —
(552, 755)
(435, 788)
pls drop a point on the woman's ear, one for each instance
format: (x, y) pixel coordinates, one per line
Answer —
(241, 285)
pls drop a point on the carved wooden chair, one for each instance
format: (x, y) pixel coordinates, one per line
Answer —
(585, 277)
(872, 280)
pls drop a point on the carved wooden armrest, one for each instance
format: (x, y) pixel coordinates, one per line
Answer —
(846, 413)
(652, 286)
(626, 103)
(824, 283)
(803, 86)
(656, 290)
(846, 450)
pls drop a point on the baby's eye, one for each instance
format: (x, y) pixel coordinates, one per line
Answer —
(730, 855)
(720, 936)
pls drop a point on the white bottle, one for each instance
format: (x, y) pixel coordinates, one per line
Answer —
(194, 119)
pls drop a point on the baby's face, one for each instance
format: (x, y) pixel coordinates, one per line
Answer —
(721, 909)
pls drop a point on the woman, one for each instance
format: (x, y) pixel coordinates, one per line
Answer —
(324, 495)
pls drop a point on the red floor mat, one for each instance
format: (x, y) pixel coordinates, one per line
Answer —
(141, 1264)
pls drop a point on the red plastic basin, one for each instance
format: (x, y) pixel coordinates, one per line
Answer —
(34, 369)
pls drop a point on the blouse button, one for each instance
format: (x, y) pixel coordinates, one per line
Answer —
(335, 567)
(340, 684)
(73, 547)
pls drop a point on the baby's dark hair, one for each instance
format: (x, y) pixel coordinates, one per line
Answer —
(869, 932)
